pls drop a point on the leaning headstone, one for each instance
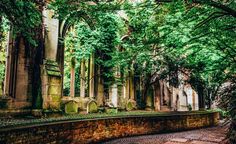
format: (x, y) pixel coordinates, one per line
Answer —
(71, 107)
(92, 107)
(130, 105)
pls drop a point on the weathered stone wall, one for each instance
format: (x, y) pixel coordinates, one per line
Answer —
(97, 130)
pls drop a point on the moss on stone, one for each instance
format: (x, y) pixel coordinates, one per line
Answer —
(52, 68)
(92, 107)
(129, 106)
(56, 98)
(54, 73)
(111, 110)
(71, 107)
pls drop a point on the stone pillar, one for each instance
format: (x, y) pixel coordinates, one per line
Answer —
(120, 95)
(157, 99)
(91, 76)
(149, 99)
(188, 91)
(120, 92)
(195, 100)
(161, 92)
(8, 65)
(114, 96)
(82, 78)
(182, 99)
(16, 83)
(170, 90)
(174, 99)
(22, 74)
(100, 92)
(127, 91)
(72, 78)
(50, 72)
(51, 35)
(131, 86)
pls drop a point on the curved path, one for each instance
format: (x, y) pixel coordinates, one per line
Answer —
(214, 135)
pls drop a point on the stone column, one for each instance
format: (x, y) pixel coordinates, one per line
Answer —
(82, 78)
(51, 35)
(114, 89)
(22, 74)
(127, 91)
(195, 100)
(161, 92)
(188, 91)
(131, 86)
(72, 78)
(100, 93)
(8, 65)
(51, 74)
(157, 98)
(150, 99)
(91, 76)
(182, 99)
(114, 95)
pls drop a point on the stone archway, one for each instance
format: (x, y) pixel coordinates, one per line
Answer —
(91, 75)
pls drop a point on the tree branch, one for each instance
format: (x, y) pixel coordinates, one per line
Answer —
(217, 5)
(212, 3)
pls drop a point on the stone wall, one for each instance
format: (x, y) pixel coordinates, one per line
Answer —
(97, 130)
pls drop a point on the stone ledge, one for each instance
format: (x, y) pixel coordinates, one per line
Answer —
(101, 129)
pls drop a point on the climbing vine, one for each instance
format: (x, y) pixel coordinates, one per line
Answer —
(4, 28)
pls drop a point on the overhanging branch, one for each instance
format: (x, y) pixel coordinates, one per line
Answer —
(217, 5)
(212, 3)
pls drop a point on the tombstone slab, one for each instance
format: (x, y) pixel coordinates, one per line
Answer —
(71, 107)
(92, 107)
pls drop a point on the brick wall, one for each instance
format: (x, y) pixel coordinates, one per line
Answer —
(97, 130)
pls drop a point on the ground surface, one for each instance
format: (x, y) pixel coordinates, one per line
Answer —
(214, 135)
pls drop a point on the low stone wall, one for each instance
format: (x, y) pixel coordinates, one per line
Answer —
(101, 129)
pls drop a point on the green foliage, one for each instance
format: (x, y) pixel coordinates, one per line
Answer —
(111, 110)
(158, 41)
(23, 15)
(3, 41)
(82, 41)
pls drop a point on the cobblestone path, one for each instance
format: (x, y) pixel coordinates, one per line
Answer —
(213, 135)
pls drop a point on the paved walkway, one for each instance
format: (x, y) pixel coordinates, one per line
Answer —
(214, 135)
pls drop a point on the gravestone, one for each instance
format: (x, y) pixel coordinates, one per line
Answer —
(130, 105)
(92, 107)
(71, 107)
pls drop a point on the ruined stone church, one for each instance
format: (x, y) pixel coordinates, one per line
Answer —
(21, 79)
